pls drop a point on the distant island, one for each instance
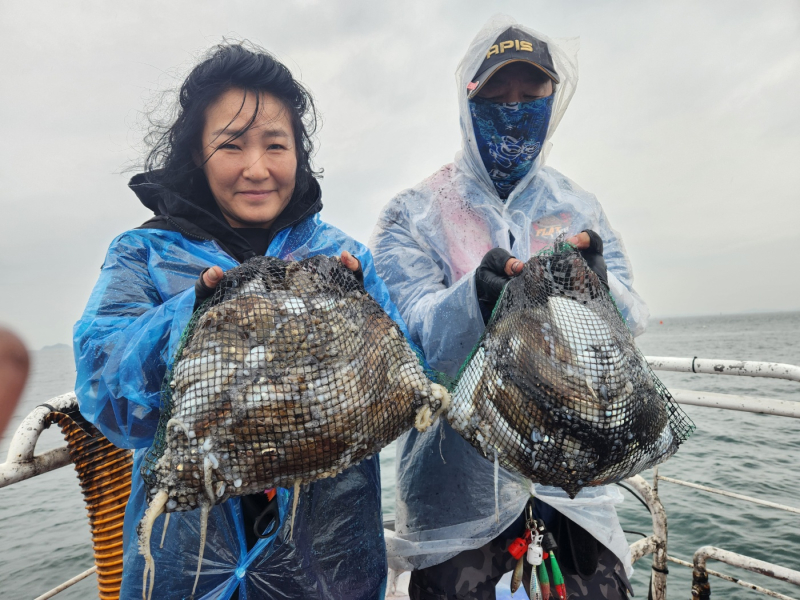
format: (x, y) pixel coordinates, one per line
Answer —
(56, 348)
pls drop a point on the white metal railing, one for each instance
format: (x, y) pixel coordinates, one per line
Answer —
(20, 462)
(701, 590)
(753, 404)
(716, 366)
(711, 490)
(656, 544)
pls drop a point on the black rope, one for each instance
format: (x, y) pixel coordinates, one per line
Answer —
(635, 495)
(644, 535)
(694, 359)
(665, 570)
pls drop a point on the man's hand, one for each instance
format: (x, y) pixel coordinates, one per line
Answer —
(582, 241)
(591, 247)
(496, 268)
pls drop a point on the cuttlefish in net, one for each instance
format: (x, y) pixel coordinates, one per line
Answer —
(556, 389)
(289, 374)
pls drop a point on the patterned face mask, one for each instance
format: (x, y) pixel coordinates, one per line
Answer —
(509, 137)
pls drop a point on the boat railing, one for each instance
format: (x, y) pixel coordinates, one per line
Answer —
(22, 463)
(104, 473)
(656, 544)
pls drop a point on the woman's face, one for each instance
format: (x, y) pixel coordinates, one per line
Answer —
(251, 177)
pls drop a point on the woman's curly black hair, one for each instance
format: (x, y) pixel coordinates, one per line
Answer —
(230, 65)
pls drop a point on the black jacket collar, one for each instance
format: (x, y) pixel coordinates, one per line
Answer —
(198, 216)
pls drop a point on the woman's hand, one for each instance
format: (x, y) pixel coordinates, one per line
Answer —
(352, 263)
(206, 284)
(212, 277)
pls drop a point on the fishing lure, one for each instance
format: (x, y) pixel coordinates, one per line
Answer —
(558, 578)
(544, 579)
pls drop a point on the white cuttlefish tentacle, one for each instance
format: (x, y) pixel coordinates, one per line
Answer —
(146, 528)
(174, 422)
(294, 506)
(164, 531)
(205, 507)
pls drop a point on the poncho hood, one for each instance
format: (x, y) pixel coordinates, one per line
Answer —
(198, 216)
(565, 60)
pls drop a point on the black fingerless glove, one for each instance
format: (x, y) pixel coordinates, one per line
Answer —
(201, 291)
(593, 255)
(359, 274)
(490, 278)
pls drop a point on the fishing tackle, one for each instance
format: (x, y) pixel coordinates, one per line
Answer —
(516, 578)
(534, 555)
(544, 578)
(558, 578)
(519, 546)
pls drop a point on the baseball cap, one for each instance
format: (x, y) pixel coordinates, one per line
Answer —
(513, 45)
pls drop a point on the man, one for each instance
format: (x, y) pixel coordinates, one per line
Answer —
(445, 248)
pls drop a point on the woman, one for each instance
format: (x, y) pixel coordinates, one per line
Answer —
(229, 179)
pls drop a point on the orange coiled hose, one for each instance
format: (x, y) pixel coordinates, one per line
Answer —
(104, 472)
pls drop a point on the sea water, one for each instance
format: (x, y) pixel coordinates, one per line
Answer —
(44, 533)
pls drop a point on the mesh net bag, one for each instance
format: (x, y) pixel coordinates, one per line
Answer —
(290, 373)
(556, 388)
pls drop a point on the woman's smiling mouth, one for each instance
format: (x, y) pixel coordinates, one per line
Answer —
(256, 194)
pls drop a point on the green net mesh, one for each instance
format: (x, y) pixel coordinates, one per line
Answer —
(290, 372)
(557, 390)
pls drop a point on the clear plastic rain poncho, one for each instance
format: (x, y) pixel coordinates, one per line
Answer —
(427, 244)
(123, 344)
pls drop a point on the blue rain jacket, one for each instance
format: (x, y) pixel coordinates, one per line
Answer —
(427, 244)
(124, 344)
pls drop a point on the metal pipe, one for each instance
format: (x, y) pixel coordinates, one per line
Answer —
(66, 584)
(643, 547)
(715, 366)
(11, 472)
(658, 541)
(704, 488)
(753, 404)
(701, 589)
(24, 441)
(737, 581)
(744, 562)
(20, 462)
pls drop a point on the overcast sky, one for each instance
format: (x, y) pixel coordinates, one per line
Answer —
(685, 124)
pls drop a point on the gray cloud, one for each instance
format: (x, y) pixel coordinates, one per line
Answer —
(684, 124)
